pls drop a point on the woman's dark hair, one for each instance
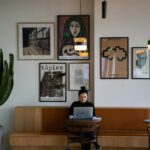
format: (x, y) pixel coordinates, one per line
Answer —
(83, 90)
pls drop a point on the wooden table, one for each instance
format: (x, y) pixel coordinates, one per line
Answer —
(83, 131)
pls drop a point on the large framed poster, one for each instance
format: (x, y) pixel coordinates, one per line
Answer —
(68, 28)
(52, 82)
(114, 58)
(140, 63)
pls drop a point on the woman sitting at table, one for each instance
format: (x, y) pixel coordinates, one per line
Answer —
(83, 102)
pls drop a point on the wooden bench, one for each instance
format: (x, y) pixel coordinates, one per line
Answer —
(44, 127)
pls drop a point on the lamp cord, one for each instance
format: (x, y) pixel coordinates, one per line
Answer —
(80, 7)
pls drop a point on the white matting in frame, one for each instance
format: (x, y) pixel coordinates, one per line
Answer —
(140, 63)
(36, 40)
(79, 74)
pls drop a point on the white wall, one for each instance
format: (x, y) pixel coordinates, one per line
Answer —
(26, 73)
(125, 18)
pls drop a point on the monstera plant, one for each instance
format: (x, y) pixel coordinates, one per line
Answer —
(6, 77)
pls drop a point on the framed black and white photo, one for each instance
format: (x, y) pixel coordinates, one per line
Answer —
(52, 82)
(79, 75)
(140, 63)
(36, 40)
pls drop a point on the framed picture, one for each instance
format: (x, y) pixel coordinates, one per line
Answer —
(140, 63)
(36, 40)
(79, 75)
(52, 82)
(69, 27)
(114, 57)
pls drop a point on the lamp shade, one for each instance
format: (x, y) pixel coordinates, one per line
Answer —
(104, 9)
(80, 43)
(148, 44)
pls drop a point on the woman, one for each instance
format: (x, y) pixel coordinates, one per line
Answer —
(83, 97)
(83, 101)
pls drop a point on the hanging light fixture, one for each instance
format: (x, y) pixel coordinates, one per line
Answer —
(80, 43)
(148, 44)
(104, 9)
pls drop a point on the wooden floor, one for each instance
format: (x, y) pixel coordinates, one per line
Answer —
(110, 148)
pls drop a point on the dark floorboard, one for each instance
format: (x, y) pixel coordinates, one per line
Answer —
(113, 148)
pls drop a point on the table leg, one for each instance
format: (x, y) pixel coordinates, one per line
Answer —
(148, 138)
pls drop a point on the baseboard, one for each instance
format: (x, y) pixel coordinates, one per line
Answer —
(124, 141)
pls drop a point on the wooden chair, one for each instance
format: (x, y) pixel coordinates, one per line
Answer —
(1, 136)
(82, 131)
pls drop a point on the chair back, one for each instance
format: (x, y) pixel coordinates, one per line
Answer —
(82, 131)
(80, 126)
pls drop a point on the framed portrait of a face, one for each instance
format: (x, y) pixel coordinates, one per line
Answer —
(114, 58)
(52, 82)
(36, 40)
(140, 63)
(68, 28)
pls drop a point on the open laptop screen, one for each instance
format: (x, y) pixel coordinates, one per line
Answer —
(83, 112)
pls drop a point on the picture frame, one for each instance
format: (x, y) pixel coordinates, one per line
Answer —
(114, 58)
(140, 63)
(52, 82)
(36, 40)
(68, 27)
(79, 75)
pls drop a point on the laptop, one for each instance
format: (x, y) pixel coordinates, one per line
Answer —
(83, 113)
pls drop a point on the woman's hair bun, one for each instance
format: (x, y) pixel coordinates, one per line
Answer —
(83, 88)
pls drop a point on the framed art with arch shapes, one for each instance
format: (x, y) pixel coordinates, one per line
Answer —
(68, 27)
(114, 58)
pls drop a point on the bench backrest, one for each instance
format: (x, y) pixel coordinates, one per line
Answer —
(114, 120)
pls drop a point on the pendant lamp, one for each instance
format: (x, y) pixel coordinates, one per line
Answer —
(104, 9)
(148, 44)
(80, 43)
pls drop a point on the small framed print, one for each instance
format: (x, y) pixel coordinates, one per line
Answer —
(140, 63)
(36, 40)
(69, 27)
(52, 82)
(79, 75)
(114, 58)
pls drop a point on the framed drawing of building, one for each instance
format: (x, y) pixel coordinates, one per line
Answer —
(52, 82)
(68, 28)
(114, 58)
(36, 40)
